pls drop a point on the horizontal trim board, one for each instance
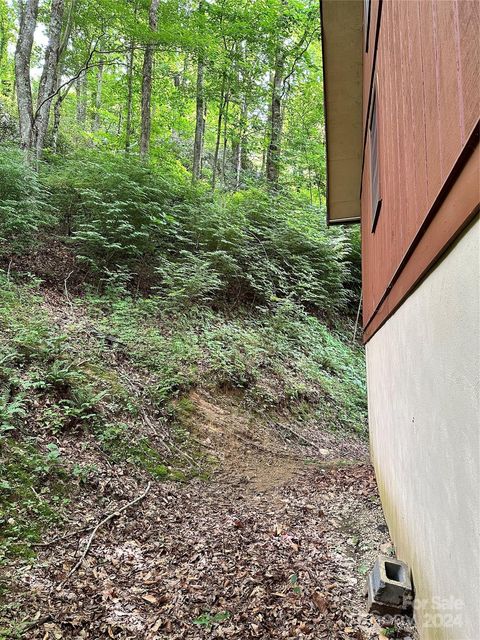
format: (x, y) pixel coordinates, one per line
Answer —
(343, 221)
(449, 216)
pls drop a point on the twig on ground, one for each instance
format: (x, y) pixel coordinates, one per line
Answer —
(26, 626)
(203, 444)
(185, 455)
(100, 524)
(301, 437)
(272, 452)
(66, 288)
(72, 534)
(9, 269)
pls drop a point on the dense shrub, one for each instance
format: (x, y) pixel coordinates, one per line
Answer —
(115, 209)
(136, 225)
(157, 230)
(22, 208)
(286, 251)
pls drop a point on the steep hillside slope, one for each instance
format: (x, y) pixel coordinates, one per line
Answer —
(236, 439)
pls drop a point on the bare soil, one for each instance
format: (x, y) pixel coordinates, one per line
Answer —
(274, 544)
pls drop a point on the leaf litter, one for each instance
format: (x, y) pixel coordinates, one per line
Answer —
(274, 544)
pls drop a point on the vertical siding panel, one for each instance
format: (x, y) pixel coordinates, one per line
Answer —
(469, 29)
(392, 194)
(418, 113)
(405, 138)
(418, 51)
(459, 71)
(431, 83)
(412, 111)
(451, 138)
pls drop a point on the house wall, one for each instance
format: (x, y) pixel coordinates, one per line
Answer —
(423, 383)
(423, 56)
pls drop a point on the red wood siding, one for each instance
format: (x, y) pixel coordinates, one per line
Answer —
(428, 87)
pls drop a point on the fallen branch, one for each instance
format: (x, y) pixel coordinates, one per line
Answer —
(17, 631)
(67, 536)
(301, 437)
(100, 524)
(66, 289)
(259, 447)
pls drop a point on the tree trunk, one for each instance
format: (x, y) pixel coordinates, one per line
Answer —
(120, 120)
(200, 111)
(225, 131)
(147, 84)
(57, 108)
(276, 121)
(81, 91)
(128, 126)
(221, 107)
(98, 97)
(4, 37)
(23, 52)
(238, 146)
(239, 151)
(199, 123)
(48, 79)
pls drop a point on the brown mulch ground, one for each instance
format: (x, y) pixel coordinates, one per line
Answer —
(274, 545)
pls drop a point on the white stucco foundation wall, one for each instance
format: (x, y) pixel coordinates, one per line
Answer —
(423, 379)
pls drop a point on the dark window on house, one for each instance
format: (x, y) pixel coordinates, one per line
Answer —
(366, 21)
(374, 162)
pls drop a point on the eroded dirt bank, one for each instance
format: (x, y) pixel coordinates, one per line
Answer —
(275, 544)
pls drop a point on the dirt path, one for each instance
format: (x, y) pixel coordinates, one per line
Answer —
(274, 545)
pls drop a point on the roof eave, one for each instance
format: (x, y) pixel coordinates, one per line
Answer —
(342, 40)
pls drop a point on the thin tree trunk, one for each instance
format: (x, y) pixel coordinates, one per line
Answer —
(98, 97)
(239, 155)
(146, 124)
(4, 37)
(128, 126)
(221, 106)
(276, 121)
(199, 122)
(23, 53)
(81, 91)
(185, 69)
(120, 120)
(200, 111)
(224, 152)
(57, 109)
(237, 135)
(264, 150)
(202, 146)
(48, 80)
(241, 160)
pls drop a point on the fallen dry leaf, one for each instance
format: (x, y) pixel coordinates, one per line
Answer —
(149, 598)
(320, 602)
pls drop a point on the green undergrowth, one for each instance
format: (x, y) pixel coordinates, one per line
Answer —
(114, 372)
(278, 357)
